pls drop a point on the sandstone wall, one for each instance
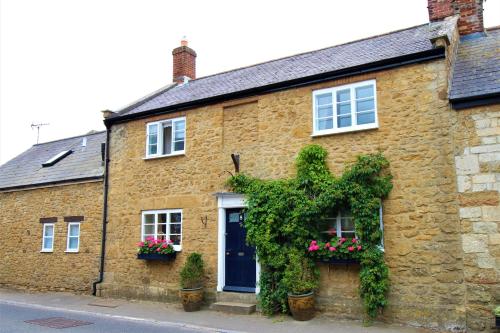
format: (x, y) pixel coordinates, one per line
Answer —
(22, 265)
(477, 159)
(423, 243)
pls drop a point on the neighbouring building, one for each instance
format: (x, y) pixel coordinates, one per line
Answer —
(51, 202)
(428, 97)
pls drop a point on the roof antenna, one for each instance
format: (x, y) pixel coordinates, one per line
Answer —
(38, 129)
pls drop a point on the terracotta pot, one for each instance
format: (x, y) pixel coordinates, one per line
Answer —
(301, 306)
(192, 299)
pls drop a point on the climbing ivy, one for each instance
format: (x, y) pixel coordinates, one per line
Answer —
(284, 215)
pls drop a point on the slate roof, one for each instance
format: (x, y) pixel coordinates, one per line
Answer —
(84, 163)
(391, 45)
(477, 66)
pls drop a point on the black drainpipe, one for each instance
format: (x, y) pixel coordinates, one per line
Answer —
(104, 214)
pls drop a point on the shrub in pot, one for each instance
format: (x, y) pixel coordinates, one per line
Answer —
(300, 279)
(192, 276)
(497, 316)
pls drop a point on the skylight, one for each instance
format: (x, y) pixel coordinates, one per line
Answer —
(56, 158)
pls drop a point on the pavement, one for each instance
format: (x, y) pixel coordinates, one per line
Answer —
(119, 315)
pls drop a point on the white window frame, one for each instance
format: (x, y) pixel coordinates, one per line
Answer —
(77, 237)
(156, 213)
(45, 225)
(159, 139)
(338, 226)
(354, 126)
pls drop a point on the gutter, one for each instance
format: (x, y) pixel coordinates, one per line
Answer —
(432, 54)
(104, 215)
(478, 100)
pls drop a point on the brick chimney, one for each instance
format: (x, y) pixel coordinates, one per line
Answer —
(184, 63)
(470, 11)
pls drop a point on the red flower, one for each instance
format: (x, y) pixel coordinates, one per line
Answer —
(350, 248)
(327, 245)
(354, 240)
(359, 247)
(150, 245)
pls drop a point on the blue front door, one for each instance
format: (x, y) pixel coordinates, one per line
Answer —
(240, 258)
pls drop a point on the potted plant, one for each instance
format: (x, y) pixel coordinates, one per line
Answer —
(191, 276)
(300, 279)
(497, 316)
(156, 249)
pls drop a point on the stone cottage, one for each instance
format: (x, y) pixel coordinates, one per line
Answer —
(51, 215)
(428, 97)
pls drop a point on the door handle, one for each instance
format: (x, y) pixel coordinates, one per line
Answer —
(227, 253)
(241, 254)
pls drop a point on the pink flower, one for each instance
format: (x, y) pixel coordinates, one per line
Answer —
(327, 245)
(150, 245)
(140, 244)
(354, 240)
(150, 238)
(359, 247)
(164, 246)
(158, 250)
(342, 240)
(333, 248)
(350, 248)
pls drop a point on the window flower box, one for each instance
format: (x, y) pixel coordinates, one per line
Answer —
(156, 249)
(157, 257)
(339, 250)
(338, 261)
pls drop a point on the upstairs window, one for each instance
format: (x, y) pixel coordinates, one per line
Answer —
(73, 241)
(48, 237)
(163, 224)
(345, 108)
(166, 137)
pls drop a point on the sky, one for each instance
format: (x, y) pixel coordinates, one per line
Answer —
(63, 61)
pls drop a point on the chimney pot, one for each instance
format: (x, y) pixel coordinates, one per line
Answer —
(184, 63)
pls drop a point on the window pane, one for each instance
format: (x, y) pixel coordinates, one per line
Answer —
(343, 95)
(366, 118)
(344, 108)
(161, 229)
(149, 229)
(325, 124)
(153, 129)
(324, 99)
(344, 121)
(153, 139)
(74, 230)
(152, 150)
(176, 229)
(179, 146)
(364, 92)
(175, 218)
(162, 218)
(234, 217)
(47, 243)
(49, 230)
(179, 136)
(325, 111)
(347, 224)
(365, 105)
(73, 243)
(167, 140)
(176, 239)
(149, 218)
(348, 234)
(180, 125)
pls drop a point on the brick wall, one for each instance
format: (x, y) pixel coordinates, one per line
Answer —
(23, 265)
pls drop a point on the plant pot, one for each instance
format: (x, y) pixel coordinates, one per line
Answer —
(301, 306)
(192, 299)
(497, 321)
(156, 256)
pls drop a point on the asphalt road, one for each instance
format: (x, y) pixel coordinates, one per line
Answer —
(13, 320)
